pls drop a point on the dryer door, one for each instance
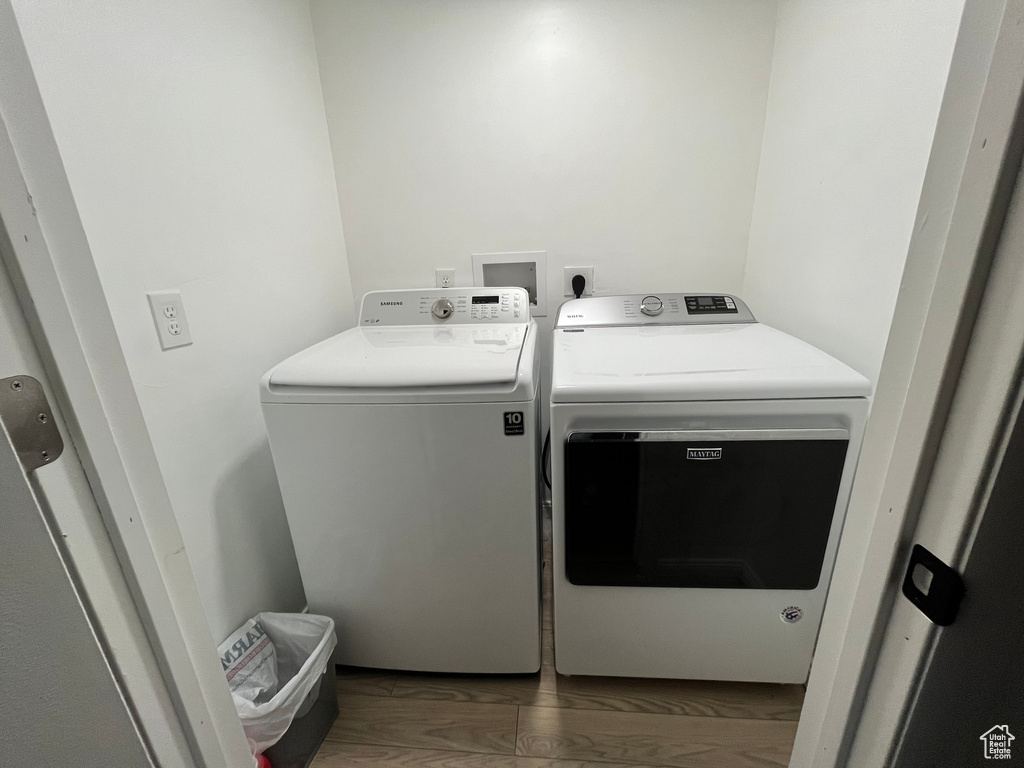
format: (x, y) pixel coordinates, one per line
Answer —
(740, 509)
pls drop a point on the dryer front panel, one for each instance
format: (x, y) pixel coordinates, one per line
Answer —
(731, 509)
(672, 559)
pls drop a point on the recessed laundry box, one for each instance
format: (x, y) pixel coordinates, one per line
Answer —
(702, 464)
(407, 453)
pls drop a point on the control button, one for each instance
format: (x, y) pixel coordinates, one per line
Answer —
(442, 309)
(651, 305)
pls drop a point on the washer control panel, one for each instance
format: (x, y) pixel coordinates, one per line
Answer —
(651, 305)
(654, 309)
(707, 305)
(445, 306)
(442, 309)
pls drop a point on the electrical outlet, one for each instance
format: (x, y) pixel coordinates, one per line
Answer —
(444, 278)
(169, 316)
(570, 272)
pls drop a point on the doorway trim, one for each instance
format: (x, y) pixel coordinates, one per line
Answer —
(966, 191)
(970, 465)
(56, 274)
(957, 224)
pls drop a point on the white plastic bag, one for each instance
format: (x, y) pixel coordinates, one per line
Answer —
(303, 644)
(249, 660)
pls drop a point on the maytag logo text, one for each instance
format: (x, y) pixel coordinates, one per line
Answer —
(703, 454)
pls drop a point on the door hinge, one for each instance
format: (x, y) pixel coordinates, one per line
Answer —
(932, 586)
(27, 417)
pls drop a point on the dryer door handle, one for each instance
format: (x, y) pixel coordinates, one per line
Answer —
(706, 435)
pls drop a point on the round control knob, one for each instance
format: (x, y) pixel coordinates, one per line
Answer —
(651, 305)
(442, 309)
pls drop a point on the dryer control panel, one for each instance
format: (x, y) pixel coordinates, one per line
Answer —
(711, 305)
(654, 309)
(445, 306)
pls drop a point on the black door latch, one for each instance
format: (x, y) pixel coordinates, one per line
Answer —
(940, 600)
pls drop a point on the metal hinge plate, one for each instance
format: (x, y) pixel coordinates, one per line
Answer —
(27, 417)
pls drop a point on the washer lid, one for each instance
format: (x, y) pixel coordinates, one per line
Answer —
(408, 356)
(694, 362)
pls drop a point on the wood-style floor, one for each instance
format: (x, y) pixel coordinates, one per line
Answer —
(546, 720)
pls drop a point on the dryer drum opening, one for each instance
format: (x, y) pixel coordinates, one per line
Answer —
(754, 516)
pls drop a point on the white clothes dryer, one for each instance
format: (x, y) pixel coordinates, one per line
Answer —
(407, 454)
(701, 468)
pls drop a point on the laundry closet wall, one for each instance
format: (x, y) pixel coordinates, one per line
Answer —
(623, 136)
(852, 109)
(195, 143)
(632, 136)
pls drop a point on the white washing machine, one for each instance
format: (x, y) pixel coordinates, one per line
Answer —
(701, 467)
(407, 454)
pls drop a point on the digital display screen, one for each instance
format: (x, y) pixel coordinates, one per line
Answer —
(705, 301)
(485, 299)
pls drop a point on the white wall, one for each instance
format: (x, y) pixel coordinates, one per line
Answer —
(623, 136)
(195, 142)
(854, 99)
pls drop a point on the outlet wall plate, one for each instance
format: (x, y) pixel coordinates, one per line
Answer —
(520, 269)
(169, 315)
(444, 278)
(567, 275)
